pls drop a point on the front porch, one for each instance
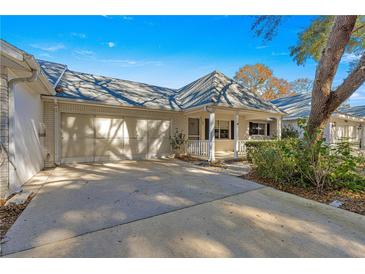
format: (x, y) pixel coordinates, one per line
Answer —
(222, 133)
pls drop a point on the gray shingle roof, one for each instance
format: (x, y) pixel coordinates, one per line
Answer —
(212, 89)
(357, 111)
(53, 71)
(299, 106)
(219, 90)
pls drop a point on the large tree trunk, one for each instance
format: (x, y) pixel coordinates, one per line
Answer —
(325, 101)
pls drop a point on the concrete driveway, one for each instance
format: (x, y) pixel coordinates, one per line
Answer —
(168, 208)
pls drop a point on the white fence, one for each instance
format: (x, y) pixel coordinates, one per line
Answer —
(197, 147)
(200, 147)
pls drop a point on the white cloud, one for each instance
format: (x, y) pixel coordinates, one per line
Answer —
(78, 35)
(84, 53)
(350, 57)
(48, 47)
(262, 47)
(279, 53)
(45, 54)
(111, 44)
(131, 63)
(127, 18)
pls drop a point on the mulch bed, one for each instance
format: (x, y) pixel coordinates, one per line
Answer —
(200, 162)
(9, 214)
(352, 201)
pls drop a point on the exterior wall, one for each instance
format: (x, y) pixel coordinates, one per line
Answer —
(345, 128)
(52, 114)
(4, 131)
(28, 148)
(335, 129)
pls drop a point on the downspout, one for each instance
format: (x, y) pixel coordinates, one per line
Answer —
(33, 77)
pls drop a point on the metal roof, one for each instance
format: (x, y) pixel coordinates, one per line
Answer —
(299, 106)
(357, 111)
(219, 90)
(213, 89)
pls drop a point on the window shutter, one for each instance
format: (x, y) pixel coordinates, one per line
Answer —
(206, 129)
(232, 130)
(268, 130)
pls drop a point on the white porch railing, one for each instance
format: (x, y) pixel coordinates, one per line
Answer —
(241, 147)
(197, 147)
(201, 147)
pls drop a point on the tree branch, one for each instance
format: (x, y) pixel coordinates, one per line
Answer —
(349, 85)
(331, 56)
(358, 28)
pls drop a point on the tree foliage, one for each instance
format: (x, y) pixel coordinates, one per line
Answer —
(266, 26)
(301, 85)
(312, 41)
(260, 80)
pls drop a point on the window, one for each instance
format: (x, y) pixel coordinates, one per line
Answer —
(257, 128)
(221, 129)
(193, 129)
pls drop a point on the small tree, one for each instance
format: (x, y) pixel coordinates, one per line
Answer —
(260, 80)
(177, 142)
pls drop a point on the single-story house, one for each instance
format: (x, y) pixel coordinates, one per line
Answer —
(346, 123)
(52, 115)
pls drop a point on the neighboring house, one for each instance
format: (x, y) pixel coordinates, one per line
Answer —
(96, 118)
(346, 123)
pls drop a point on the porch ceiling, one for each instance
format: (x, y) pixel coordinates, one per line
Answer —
(248, 114)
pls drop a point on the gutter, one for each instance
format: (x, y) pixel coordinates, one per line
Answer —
(11, 84)
(34, 69)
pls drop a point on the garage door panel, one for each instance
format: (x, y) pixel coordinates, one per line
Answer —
(135, 148)
(105, 147)
(135, 128)
(107, 127)
(158, 138)
(77, 126)
(78, 147)
(77, 136)
(159, 147)
(158, 128)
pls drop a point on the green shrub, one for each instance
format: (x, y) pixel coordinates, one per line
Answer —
(347, 173)
(252, 145)
(274, 160)
(289, 132)
(293, 161)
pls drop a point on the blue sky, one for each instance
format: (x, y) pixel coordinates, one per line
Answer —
(162, 50)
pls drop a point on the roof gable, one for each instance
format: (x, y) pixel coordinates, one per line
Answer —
(219, 90)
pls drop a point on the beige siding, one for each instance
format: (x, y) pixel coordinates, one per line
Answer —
(49, 144)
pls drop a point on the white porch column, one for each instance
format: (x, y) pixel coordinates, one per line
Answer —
(278, 127)
(328, 133)
(236, 127)
(211, 152)
(362, 136)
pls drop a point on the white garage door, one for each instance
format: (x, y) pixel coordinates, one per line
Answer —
(89, 138)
